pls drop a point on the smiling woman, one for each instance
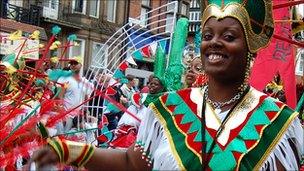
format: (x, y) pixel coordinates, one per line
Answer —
(226, 125)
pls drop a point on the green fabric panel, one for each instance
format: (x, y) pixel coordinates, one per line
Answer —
(188, 118)
(195, 126)
(173, 99)
(180, 109)
(247, 133)
(259, 118)
(188, 115)
(270, 133)
(222, 161)
(237, 145)
(269, 105)
(256, 11)
(198, 136)
(188, 158)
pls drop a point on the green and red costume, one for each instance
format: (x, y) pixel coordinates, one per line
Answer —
(253, 129)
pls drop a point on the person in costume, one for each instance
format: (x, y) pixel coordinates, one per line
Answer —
(126, 132)
(127, 128)
(195, 76)
(226, 125)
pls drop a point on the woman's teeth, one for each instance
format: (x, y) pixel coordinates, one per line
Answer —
(214, 57)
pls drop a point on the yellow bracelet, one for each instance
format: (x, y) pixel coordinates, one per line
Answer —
(70, 152)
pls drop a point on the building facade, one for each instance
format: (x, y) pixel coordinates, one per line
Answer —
(93, 22)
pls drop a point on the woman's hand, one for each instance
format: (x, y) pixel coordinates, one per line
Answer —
(45, 156)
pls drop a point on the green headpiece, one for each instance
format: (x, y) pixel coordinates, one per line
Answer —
(254, 15)
(171, 76)
(160, 63)
(175, 68)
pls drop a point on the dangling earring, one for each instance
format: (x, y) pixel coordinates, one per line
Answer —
(247, 72)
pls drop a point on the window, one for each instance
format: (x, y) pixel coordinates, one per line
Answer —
(79, 6)
(144, 17)
(15, 2)
(195, 16)
(94, 8)
(78, 50)
(194, 4)
(111, 10)
(184, 9)
(145, 8)
(169, 22)
(50, 9)
(100, 50)
(145, 3)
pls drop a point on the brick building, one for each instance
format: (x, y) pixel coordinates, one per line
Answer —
(93, 21)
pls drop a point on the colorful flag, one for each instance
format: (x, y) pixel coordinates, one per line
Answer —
(123, 66)
(277, 57)
(137, 55)
(146, 51)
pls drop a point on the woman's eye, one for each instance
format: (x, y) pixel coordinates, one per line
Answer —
(207, 37)
(229, 38)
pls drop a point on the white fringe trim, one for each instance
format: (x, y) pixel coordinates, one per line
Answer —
(154, 145)
(283, 151)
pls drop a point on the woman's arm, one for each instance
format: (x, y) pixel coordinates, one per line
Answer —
(111, 159)
(107, 159)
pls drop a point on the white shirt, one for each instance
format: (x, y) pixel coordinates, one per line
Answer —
(75, 91)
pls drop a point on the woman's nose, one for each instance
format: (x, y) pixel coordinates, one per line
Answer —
(215, 42)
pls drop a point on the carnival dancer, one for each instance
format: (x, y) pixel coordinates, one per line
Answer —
(227, 125)
(126, 131)
(195, 75)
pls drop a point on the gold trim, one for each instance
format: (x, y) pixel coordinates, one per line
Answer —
(275, 141)
(172, 146)
(255, 42)
(257, 142)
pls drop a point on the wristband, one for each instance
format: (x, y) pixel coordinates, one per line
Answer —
(70, 152)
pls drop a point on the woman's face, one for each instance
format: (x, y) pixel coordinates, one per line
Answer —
(193, 70)
(224, 49)
(155, 86)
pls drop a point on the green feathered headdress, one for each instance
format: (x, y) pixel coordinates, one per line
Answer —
(170, 77)
(175, 68)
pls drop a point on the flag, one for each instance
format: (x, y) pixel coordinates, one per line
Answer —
(277, 57)
(153, 48)
(118, 74)
(130, 60)
(146, 51)
(137, 55)
(123, 66)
